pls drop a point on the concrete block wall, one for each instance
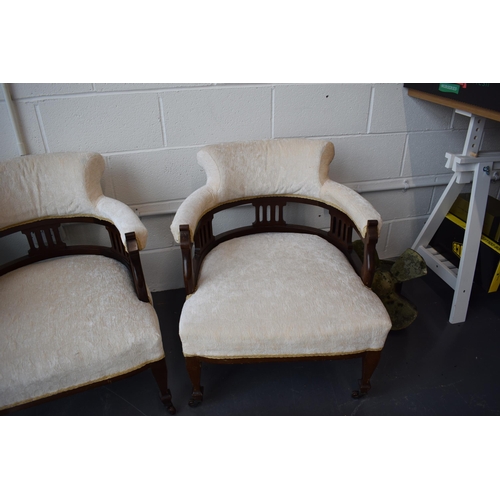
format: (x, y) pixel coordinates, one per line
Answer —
(386, 144)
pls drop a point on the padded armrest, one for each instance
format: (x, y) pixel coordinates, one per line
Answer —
(192, 209)
(351, 203)
(124, 218)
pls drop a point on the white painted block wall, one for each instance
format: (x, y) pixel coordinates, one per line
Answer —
(149, 135)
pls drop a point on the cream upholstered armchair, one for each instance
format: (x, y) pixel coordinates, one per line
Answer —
(274, 290)
(73, 312)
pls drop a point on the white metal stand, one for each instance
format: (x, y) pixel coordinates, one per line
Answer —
(470, 166)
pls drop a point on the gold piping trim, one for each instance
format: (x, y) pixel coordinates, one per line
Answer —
(48, 217)
(282, 356)
(107, 377)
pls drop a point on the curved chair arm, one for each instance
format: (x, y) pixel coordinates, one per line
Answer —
(339, 196)
(136, 268)
(124, 218)
(191, 211)
(187, 259)
(367, 271)
(351, 203)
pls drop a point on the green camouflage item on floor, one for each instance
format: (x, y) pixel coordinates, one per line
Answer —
(387, 282)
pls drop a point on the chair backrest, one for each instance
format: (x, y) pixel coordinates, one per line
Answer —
(273, 167)
(58, 184)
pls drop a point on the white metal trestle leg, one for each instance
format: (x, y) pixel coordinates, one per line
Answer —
(469, 167)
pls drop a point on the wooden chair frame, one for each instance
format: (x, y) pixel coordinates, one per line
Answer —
(46, 242)
(269, 217)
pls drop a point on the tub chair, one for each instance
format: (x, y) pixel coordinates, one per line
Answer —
(75, 310)
(277, 290)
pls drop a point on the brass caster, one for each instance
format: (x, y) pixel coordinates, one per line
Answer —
(196, 398)
(363, 390)
(357, 394)
(166, 399)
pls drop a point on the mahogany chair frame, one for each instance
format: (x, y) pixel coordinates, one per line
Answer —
(269, 217)
(46, 242)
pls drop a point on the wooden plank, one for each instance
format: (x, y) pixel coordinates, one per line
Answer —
(451, 103)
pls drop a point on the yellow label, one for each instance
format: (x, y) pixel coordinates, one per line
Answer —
(495, 246)
(457, 249)
(495, 282)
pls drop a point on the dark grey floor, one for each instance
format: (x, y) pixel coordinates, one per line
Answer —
(431, 368)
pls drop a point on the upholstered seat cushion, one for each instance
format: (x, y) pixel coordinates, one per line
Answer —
(280, 295)
(68, 322)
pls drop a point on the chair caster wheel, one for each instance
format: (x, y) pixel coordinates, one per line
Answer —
(362, 391)
(166, 399)
(357, 394)
(196, 398)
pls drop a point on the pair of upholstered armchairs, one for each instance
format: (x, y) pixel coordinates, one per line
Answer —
(75, 314)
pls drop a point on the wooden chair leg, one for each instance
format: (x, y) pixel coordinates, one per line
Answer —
(370, 362)
(193, 365)
(159, 369)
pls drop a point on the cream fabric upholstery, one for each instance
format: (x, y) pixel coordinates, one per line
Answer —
(61, 184)
(68, 322)
(295, 167)
(280, 295)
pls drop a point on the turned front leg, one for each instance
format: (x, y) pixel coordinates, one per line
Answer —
(370, 362)
(193, 365)
(159, 369)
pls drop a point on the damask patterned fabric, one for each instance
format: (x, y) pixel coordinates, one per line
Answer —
(34, 187)
(68, 322)
(293, 167)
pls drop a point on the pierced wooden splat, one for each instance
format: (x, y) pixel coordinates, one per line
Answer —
(204, 232)
(341, 230)
(269, 212)
(42, 239)
(115, 239)
(46, 242)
